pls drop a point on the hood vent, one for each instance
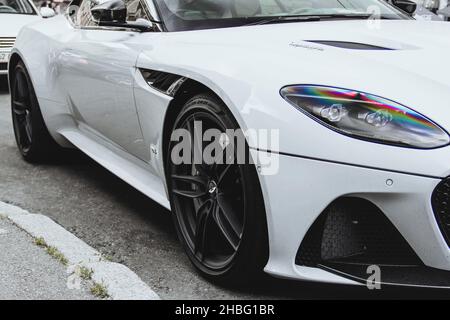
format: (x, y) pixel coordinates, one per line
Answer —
(349, 45)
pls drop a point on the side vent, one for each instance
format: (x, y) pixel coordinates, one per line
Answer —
(167, 83)
(349, 45)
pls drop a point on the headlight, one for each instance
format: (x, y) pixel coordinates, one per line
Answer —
(366, 116)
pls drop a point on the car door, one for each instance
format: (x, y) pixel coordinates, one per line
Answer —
(97, 66)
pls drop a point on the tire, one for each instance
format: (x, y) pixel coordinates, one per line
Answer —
(218, 209)
(32, 137)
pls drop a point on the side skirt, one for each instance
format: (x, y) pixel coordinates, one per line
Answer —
(119, 163)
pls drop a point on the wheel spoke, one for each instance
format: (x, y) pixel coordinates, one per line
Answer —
(22, 87)
(20, 95)
(23, 134)
(195, 186)
(201, 231)
(191, 194)
(204, 206)
(19, 130)
(197, 180)
(28, 127)
(19, 107)
(227, 225)
(224, 173)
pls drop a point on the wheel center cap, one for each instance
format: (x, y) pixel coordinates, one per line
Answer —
(212, 187)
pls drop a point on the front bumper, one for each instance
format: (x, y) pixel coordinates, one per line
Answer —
(4, 58)
(303, 188)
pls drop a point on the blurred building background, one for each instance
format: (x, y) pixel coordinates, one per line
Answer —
(58, 5)
(427, 9)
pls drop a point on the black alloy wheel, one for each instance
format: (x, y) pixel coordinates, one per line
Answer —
(32, 137)
(218, 206)
(21, 111)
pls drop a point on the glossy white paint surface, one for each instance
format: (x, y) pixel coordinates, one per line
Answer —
(93, 97)
(96, 70)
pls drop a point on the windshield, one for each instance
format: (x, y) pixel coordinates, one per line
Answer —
(201, 14)
(16, 7)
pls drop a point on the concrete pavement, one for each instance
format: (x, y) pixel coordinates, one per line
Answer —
(27, 272)
(85, 266)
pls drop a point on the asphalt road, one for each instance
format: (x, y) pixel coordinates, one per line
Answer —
(131, 229)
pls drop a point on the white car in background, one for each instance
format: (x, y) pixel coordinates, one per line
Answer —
(432, 9)
(15, 14)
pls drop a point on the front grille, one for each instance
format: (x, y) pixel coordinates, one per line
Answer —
(440, 202)
(7, 43)
(3, 66)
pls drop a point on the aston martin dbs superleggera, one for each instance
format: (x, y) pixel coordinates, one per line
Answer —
(351, 92)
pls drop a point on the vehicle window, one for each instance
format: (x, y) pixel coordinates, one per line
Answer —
(270, 7)
(16, 7)
(198, 14)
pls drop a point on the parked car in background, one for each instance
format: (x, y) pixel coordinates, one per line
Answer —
(59, 6)
(432, 9)
(14, 14)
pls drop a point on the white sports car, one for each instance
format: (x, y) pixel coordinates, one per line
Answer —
(348, 155)
(14, 14)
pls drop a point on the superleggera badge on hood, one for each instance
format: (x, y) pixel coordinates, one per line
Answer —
(305, 46)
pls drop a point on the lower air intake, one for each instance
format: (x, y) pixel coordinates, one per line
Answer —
(354, 231)
(440, 202)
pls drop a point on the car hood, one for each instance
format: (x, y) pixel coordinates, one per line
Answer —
(10, 24)
(405, 61)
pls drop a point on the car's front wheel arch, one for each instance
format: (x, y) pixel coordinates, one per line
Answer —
(187, 91)
(190, 92)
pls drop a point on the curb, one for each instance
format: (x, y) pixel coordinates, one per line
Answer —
(120, 282)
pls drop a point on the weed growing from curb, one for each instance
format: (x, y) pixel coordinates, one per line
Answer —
(52, 251)
(99, 290)
(57, 255)
(40, 242)
(86, 274)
